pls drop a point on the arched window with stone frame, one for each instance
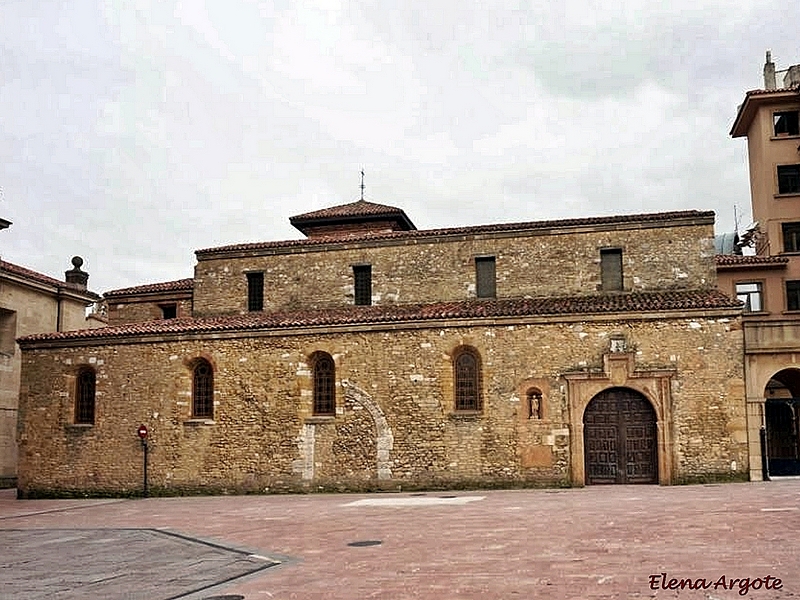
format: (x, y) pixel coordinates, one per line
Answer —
(85, 391)
(467, 379)
(323, 373)
(202, 390)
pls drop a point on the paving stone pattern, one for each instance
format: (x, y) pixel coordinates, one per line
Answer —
(67, 564)
(589, 543)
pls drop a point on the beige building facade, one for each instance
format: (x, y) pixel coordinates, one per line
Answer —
(31, 302)
(769, 282)
(372, 355)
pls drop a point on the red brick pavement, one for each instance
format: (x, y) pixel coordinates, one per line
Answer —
(595, 542)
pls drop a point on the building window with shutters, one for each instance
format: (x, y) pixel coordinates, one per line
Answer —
(362, 283)
(485, 277)
(202, 390)
(467, 379)
(85, 396)
(611, 269)
(255, 291)
(323, 372)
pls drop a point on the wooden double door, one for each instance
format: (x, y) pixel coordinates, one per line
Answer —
(620, 441)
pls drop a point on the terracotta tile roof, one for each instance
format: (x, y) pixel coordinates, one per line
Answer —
(474, 229)
(153, 288)
(641, 302)
(44, 279)
(758, 92)
(361, 213)
(359, 208)
(23, 272)
(733, 260)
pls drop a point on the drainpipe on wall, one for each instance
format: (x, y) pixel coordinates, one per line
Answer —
(58, 309)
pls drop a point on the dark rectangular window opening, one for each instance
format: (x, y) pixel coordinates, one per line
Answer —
(786, 123)
(362, 275)
(791, 237)
(485, 277)
(789, 179)
(169, 311)
(611, 269)
(793, 295)
(751, 294)
(255, 291)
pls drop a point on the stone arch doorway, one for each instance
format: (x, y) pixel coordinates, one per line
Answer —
(620, 438)
(782, 420)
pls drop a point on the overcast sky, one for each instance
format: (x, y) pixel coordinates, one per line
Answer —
(135, 132)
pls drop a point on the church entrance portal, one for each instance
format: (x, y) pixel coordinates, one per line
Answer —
(620, 438)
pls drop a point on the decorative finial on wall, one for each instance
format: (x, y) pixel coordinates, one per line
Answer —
(362, 184)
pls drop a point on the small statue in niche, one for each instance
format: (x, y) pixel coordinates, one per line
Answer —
(534, 404)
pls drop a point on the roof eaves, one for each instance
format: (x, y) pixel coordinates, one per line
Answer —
(640, 302)
(752, 100)
(29, 277)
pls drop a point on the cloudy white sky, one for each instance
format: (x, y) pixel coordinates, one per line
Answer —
(133, 132)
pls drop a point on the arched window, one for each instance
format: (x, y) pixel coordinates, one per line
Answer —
(467, 376)
(533, 399)
(324, 374)
(202, 390)
(84, 396)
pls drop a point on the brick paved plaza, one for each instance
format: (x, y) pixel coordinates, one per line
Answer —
(595, 542)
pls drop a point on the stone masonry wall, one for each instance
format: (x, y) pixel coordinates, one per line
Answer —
(134, 312)
(395, 426)
(431, 270)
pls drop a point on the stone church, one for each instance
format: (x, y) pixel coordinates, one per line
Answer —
(372, 355)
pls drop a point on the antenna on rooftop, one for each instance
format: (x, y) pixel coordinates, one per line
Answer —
(362, 184)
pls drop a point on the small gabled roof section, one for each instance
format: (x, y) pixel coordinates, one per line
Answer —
(357, 218)
(180, 285)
